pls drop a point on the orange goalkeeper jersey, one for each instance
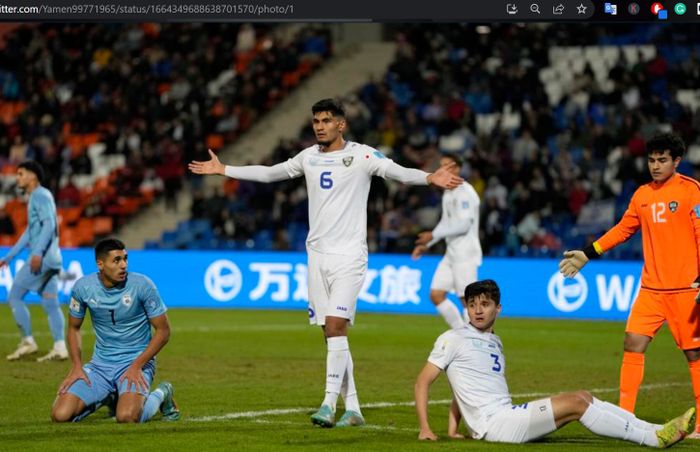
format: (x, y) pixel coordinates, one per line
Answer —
(669, 217)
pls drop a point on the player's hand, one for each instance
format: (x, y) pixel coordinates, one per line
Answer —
(573, 262)
(213, 166)
(427, 435)
(444, 178)
(76, 373)
(35, 264)
(424, 238)
(134, 376)
(3, 262)
(418, 252)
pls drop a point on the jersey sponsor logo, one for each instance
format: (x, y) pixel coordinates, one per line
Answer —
(341, 308)
(379, 155)
(567, 296)
(347, 161)
(74, 305)
(673, 206)
(126, 299)
(697, 210)
(223, 280)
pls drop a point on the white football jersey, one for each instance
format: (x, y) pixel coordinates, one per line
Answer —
(459, 225)
(337, 184)
(475, 365)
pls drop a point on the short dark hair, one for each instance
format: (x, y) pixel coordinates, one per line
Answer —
(454, 157)
(332, 106)
(486, 287)
(104, 246)
(666, 141)
(34, 167)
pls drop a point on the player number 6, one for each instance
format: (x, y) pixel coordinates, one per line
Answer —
(326, 181)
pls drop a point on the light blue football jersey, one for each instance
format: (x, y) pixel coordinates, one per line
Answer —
(41, 234)
(120, 315)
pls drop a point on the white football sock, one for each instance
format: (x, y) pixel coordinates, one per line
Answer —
(336, 364)
(626, 415)
(605, 422)
(348, 390)
(450, 313)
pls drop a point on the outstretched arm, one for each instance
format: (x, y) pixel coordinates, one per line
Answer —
(442, 178)
(257, 173)
(426, 378)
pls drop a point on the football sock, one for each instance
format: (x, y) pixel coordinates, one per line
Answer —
(56, 319)
(347, 390)
(631, 376)
(694, 367)
(450, 313)
(336, 365)
(626, 415)
(601, 421)
(19, 310)
(152, 404)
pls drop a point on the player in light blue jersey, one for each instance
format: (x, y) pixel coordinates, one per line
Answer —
(40, 274)
(123, 307)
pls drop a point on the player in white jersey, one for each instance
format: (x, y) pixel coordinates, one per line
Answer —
(338, 175)
(459, 226)
(472, 357)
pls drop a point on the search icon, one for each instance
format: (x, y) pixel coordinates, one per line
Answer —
(535, 8)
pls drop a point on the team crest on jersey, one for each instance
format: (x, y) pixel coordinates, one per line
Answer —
(347, 161)
(673, 206)
(126, 299)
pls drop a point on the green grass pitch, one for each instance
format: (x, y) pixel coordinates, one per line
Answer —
(231, 368)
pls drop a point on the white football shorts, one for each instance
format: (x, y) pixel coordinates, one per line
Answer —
(521, 423)
(453, 276)
(335, 282)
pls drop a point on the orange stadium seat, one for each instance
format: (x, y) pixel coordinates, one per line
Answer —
(102, 225)
(69, 215)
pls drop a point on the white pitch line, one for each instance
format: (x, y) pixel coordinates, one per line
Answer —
(384, 428)
(296, 410)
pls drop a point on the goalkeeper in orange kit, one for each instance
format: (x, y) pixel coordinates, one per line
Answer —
(667, 210)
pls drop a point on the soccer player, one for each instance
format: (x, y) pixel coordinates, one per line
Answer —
(473, 359)
(40, 274)
(123, 307)
(459, 226)
(667, 210)
(338, 175)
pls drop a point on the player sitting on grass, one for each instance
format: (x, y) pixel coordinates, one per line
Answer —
(472, 357)
(123, 308)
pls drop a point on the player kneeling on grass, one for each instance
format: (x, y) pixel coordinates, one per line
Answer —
(123, 308)
(472, 357)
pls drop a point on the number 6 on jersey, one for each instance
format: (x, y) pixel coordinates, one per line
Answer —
(326, 181)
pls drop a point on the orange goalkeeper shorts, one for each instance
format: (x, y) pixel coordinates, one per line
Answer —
(678, 309)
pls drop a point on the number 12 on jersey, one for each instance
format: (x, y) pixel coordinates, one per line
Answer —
(657, 212)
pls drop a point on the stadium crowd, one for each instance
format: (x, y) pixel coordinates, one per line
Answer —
(138, 101)
(551, 171)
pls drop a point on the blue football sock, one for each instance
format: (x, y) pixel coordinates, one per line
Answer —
(152, 404)
(56, 320)
(19, 310)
